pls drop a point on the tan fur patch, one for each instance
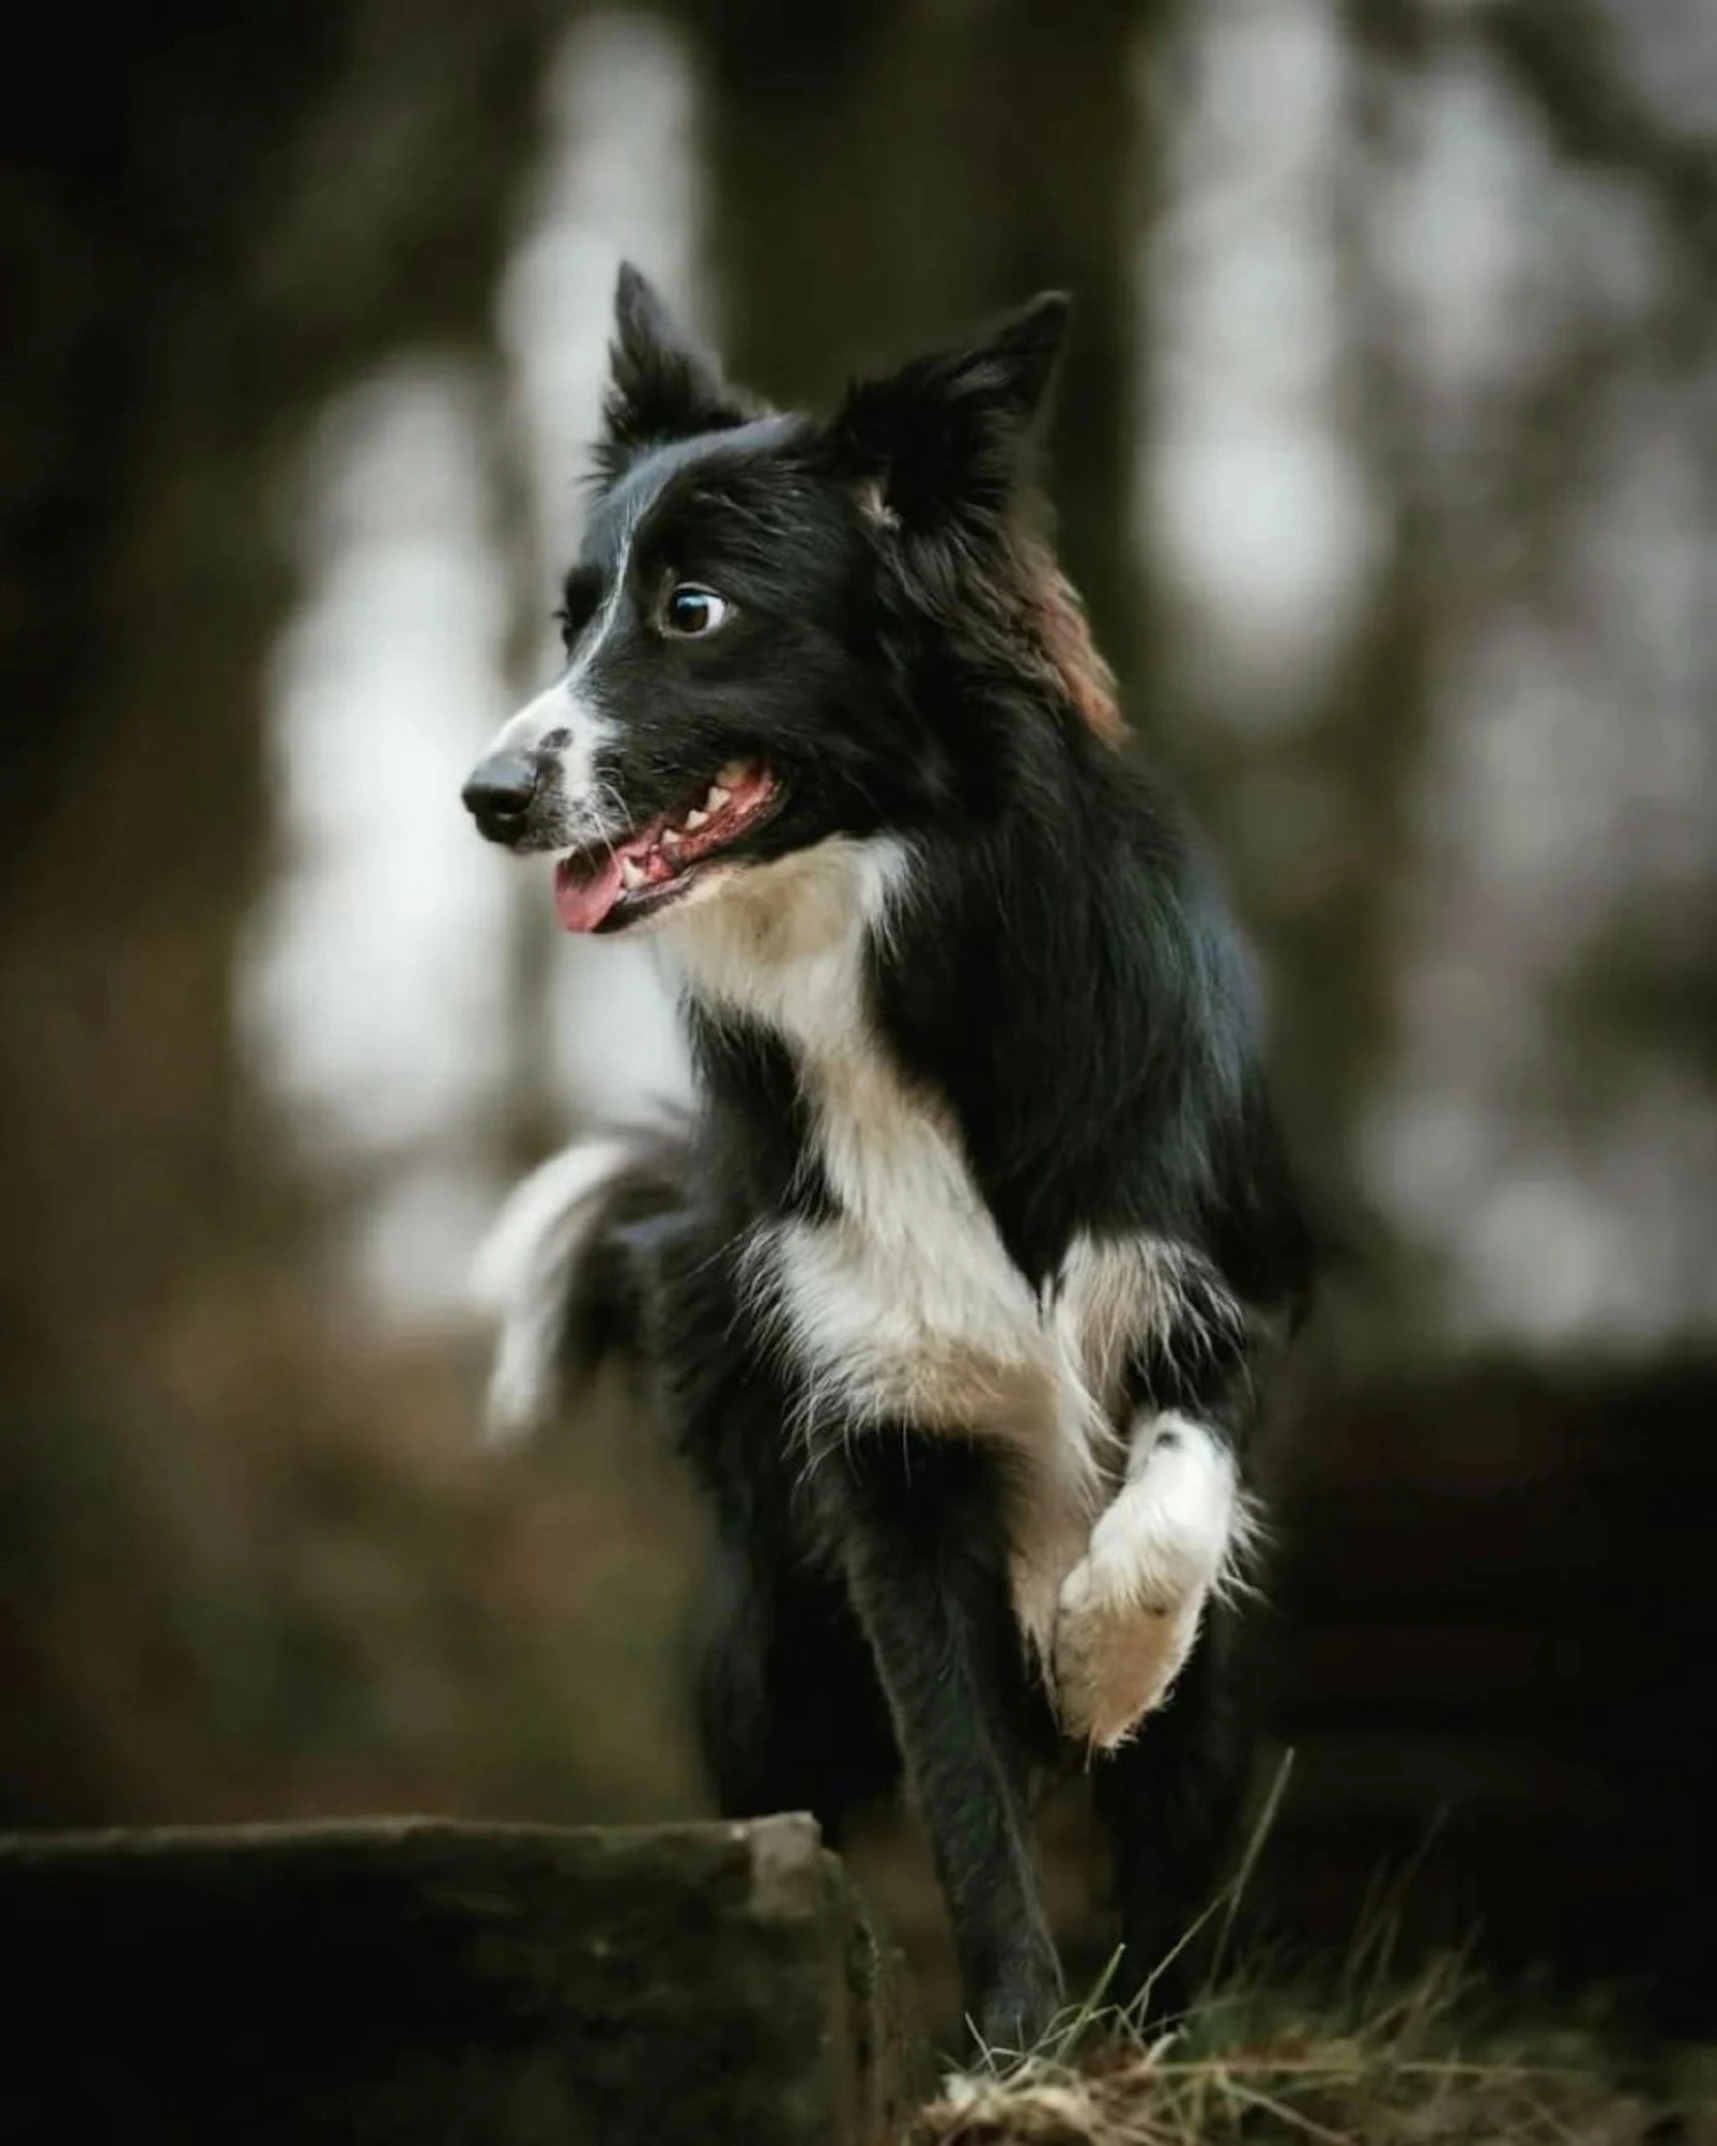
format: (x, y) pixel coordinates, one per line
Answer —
(1063, 634)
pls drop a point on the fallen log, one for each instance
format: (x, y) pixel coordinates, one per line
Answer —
(468, 1985)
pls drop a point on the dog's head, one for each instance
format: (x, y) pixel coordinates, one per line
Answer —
(780, 630)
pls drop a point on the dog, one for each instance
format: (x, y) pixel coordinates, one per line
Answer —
(957, 1284)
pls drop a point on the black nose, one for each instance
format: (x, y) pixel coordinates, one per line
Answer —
(500, 790)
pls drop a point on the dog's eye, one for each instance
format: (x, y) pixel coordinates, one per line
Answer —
(692, 611)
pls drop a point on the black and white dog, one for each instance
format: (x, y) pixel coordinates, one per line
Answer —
(956, 1288)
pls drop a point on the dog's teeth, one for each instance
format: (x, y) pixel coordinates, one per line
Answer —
(733, 774)
(717, 797)
(631, 872)
(695, 819)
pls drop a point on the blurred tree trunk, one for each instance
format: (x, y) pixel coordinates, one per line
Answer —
(210, 236)
(1069, 195)
(205, 251)
(136, 587)
(889, 175)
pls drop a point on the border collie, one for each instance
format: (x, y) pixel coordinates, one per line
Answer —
(955, 1287)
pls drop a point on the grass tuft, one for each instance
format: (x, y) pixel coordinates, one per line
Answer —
(1432, 2063)
(1367, 2057)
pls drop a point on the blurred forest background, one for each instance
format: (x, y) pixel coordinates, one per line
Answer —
(1387, 456)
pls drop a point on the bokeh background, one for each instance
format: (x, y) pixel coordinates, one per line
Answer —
(1387, 457)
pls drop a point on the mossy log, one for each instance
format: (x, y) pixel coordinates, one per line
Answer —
(412, 1980)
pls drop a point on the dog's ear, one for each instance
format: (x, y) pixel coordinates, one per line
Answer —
(948, 437)
(661, 385)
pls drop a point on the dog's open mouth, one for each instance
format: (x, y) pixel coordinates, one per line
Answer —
(612, 884)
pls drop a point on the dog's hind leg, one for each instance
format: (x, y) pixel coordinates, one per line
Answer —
(920, 1528)
(1170, 1800)
(790, 1715)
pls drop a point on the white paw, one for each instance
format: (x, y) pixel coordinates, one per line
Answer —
(1116, 1655)
(1129, 1611)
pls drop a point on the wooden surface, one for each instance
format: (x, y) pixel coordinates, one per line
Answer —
(465, 1985)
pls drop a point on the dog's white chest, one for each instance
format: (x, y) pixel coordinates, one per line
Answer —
(902, 1306)
(904, 1303)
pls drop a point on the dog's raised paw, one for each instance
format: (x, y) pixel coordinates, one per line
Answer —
(1116, 1655)
(1129, 1611)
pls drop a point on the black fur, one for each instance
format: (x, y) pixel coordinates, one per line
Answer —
(904, 655)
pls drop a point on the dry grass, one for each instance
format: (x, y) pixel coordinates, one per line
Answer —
(1370, 2057)
(1429, 2065)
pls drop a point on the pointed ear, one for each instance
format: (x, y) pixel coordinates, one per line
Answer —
(661, 385)
(951, 434)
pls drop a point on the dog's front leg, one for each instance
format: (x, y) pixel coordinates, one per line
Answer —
(922, 1538)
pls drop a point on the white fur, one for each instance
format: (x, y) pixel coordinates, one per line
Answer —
(563, 707)
(1131, 1608)
(569, 705)
(520, 1278)
(907, 1304)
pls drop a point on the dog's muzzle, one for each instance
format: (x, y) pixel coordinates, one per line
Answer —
(500, 793)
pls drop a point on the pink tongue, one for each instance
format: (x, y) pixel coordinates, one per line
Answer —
(582, 904)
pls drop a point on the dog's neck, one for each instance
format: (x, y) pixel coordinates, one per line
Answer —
(786, 944)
